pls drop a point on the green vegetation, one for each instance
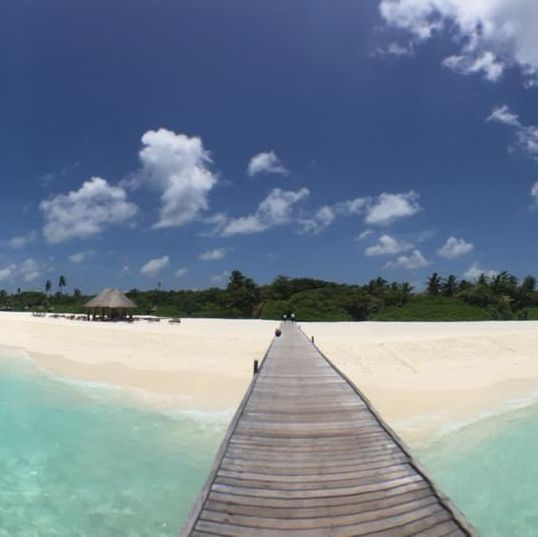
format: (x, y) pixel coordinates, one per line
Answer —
(445, 299)
(433, 308)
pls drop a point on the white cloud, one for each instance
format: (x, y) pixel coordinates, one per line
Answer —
(526, 136)
(365, 234)
(502, 114)
(534, 193)
(213, 255)
(126, 269)
(154, 266)
(266, 162)
(21, 241)
(320, 220)
(220, 278)
(387, 245)
(390, 207)
(455, 248)
(327, 214)
(397, 50)
(475, 271)
(85, 212)
(180, 272)
(467, 65)
(414, 260)
(7, 272)
(80, 257)
(30, 270)
(178, 167)
(275, 210)
(491, 34)
(278, 208)
(351, 207)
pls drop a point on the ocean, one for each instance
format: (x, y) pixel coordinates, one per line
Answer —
(81, 460)
(490, 471)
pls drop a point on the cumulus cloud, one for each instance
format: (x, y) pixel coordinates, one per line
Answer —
(390, 207)
(266, 162)
(326, 215)
(80, 257)
(154, 266)
(475, 271)
(220, 278)
(278, 208)
(317, 222)
(526, 136)
(213, 255)
(85, 212)
(414, 260)
(180, 272)
(29, 270)
(487, 63)
(491, 34)
(387, 245)
(7, 272)
(275, 210)
(21, 241)
(178, 167)
(351, 207)
(454, 247)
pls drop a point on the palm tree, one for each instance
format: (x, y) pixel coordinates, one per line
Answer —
(434, 284)
(48, 286)
(528, 284)
(405, 290)
(504, 283)
(62, 282)
(450, 285)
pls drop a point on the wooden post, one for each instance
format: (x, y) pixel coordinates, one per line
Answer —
(312, 339)
(255, 367)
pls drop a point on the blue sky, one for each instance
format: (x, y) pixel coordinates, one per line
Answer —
(174, 141)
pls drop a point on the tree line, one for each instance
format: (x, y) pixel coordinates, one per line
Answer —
(502, 296)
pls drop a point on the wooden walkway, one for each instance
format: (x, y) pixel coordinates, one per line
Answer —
(307, 455)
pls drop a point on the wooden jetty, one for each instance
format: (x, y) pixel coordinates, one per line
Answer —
(307, 455)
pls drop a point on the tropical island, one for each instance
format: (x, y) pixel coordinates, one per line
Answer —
(499, 297)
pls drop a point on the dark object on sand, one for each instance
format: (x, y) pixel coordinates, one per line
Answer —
(277, 332)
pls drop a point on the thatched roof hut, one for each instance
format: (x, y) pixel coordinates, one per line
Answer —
(111, 303)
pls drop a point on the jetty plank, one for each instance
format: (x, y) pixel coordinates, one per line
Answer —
(307, 455)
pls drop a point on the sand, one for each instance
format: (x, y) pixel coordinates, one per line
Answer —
(430, 378)
(200, 364)
(424, 378)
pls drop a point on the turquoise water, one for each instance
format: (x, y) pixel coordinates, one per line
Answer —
(80, 461)
(490, 470)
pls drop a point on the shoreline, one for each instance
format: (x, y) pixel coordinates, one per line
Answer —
(425, 379)
(194, 366)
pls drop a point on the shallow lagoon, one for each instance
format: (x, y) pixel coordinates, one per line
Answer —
(490, 470)
(79, 460)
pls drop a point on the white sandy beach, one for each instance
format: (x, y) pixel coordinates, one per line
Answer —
(422, 377)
